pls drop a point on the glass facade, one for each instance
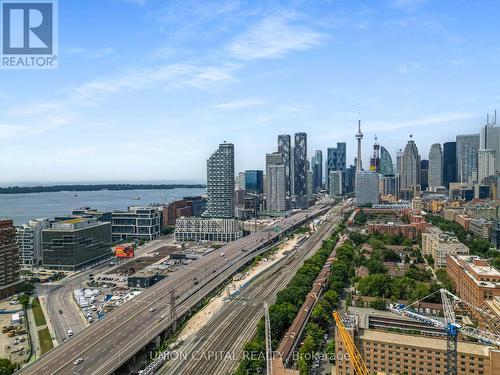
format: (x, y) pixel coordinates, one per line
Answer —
(254, 181)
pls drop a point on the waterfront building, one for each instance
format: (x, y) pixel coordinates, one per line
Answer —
(74, 244)
(220, 183)
(141, 223)
(212, 230)
(29, 239)
(9, 253)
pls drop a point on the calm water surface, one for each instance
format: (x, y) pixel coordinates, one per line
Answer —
(23, 207)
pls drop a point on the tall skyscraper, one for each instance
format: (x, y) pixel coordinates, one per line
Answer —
(9, 253)
(335, 183)
(300, 166)
(367, 188)
(424, 174)
(359, 137)
(486, 164)
(285, 147)
(386, 166)
(449, 163)
(467, 147)
(375, 159)
(317, 170)
(220, 183)
(399, 161)
(254, 181)
(490, 138)
(275, 182)
(410, 166)
(435, 166)
(336, 161)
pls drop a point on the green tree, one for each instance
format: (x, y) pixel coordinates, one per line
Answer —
(306, 353)
(378, 304)
(7, 367)
(330, 350)
(375, 266)
(24, 300)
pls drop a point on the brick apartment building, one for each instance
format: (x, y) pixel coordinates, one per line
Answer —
(9, 259)
(475, 280)
(388, 352)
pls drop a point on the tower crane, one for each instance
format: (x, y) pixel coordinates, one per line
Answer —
(357, 361)
(449, 325)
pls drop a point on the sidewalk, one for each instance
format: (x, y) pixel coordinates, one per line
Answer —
(35, 341)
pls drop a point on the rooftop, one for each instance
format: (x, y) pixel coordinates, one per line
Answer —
(422, 342)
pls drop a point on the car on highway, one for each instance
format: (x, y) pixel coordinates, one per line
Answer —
(60, 311)
(70, 333)
(152, 309)
(78, 361)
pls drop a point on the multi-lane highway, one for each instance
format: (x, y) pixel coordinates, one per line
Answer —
(59, 296)
(107, 344)
(218, 347)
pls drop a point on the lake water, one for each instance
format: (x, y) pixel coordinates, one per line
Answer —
(23, 207)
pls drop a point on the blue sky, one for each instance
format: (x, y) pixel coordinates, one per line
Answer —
(146, 89)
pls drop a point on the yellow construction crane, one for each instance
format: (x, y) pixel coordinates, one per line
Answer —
(357, 361)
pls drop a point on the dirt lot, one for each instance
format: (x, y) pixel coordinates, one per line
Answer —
(18, 352)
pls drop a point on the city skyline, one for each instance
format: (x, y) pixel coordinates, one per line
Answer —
(186, 83)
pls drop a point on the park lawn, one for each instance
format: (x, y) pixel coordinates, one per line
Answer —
(45, 340)
(38, 313)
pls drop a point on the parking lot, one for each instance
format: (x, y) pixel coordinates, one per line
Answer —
(14, 341)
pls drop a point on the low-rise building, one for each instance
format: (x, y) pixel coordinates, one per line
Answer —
(175, 210)
(481, 228)
(439, 244)
(201, 229)
(463, 220)
(409, 231)
(76, 243)
(387, 352)
(144, 279)
(141, 223)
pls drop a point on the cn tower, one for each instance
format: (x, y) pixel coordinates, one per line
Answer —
(359, 137)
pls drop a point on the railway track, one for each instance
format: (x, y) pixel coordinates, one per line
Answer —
(218, 347)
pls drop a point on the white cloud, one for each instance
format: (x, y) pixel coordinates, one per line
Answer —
(273, 37)
(240, 104)
(434, 120)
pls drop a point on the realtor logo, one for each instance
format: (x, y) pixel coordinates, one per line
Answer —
(29, 34)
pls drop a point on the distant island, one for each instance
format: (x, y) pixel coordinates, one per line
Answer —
(59, 188)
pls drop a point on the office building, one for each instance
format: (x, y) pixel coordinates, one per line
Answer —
(336, 158)
(386, 166)
(198, 205)
(485, 164)
(439, 245)
(367, 188)
(90, 212)
(254, 181)
(474, 279)
(390, 185)
(142, 223)
(285, 149)
(29, 239)
(220, 183)
(490, 138)
(300, 166)
(435, 167)
(424, 175)
(449, 163)
(9, 253)
(410, 166)
(212, 230)
(74, 244)
(399, 162)
(335, 183)
(317, 170)
(350, 179)
(467, 153)
(239, 183)
(276, 183)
